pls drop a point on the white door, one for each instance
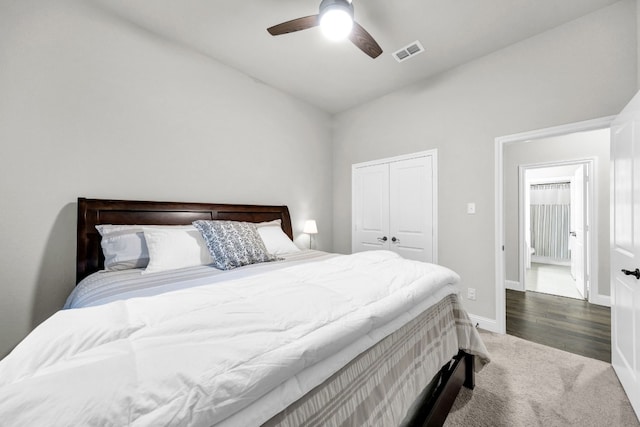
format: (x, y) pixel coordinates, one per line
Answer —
(625, 250)
(411, 208)
(370, 208)
(578, 230)
(395, 206)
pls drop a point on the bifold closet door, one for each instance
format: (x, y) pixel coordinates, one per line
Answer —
(371, 208)
(411, 208)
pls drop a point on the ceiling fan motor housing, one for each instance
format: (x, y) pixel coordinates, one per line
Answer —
(336, 4)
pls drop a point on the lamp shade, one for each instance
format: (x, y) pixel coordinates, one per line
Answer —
(310, 227)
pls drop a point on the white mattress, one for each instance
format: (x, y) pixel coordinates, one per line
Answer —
(229, 353)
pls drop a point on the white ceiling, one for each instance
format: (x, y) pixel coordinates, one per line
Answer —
(338, 76)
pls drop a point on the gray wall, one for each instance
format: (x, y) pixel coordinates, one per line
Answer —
(581, 70)
(575, 146)
(93, 106)
(638, 41)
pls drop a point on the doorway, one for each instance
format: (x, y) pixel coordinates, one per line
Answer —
(569, 168)
(539, 147)
(556, 210)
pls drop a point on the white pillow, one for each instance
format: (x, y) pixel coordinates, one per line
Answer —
(123, 246)
(171, 248)
(275, 240)
(269, 223)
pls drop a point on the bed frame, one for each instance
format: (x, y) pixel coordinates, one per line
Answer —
(91, 212)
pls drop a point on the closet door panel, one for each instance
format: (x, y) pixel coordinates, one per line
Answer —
(371, 208)
(411, 208)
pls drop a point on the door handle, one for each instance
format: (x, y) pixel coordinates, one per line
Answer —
(632, 273)
(395, 240)
(573, 233)
(382, 239)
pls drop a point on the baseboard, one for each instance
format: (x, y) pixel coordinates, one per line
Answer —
(484, 323)
(548, 260)
(600, 300)
(513, 284)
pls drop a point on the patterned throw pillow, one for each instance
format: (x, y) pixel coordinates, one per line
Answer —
(233, 244)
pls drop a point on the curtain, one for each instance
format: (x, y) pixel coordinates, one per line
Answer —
(550, 213)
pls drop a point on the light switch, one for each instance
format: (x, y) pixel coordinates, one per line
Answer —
(471, 208)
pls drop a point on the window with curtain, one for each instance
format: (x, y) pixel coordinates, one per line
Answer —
(550, 213)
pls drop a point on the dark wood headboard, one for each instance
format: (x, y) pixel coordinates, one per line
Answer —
(92, 212)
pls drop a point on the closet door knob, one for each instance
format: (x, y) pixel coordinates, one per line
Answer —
(632, 273)
(395, 240)
(382, 239)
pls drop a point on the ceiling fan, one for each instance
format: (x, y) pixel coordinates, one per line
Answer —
(336, 21)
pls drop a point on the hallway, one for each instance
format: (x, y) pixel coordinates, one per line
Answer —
(568, 324)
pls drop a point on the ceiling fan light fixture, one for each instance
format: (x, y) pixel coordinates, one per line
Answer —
(336, 19)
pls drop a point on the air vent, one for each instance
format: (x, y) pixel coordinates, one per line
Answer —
(408, 51)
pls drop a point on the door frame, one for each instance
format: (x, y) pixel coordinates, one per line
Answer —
(591, 242)
(434, 155)
(500, 143)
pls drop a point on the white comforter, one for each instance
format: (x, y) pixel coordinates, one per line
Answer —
(197, 356)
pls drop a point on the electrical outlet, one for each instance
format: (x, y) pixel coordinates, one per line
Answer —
(471, 294)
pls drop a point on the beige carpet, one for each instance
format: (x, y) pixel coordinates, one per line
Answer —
(528, 384)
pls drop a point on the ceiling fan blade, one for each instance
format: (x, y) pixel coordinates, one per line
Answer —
(363, 40)
(295, 25)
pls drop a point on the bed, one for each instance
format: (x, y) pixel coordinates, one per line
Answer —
(308, 339)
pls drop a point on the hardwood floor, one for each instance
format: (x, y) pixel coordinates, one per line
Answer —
(565, 323)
